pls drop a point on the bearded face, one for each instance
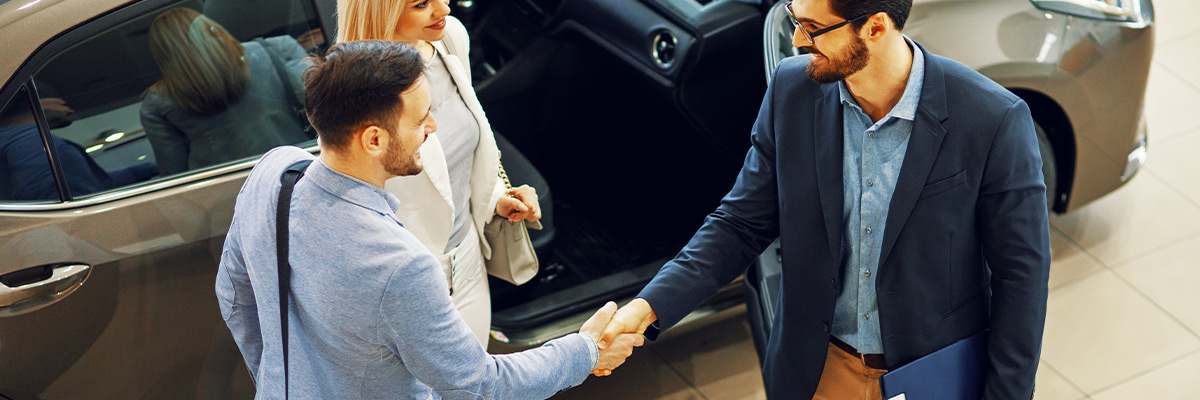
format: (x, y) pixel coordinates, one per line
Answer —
(401, 161)
(829, 68)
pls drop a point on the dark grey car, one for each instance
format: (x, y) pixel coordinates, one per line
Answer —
(635, 112)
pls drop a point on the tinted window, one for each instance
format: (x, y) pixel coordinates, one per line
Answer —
(25, 174)
(187, 87)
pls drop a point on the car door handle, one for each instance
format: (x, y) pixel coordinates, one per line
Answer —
(34, 288)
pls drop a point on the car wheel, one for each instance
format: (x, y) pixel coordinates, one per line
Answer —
(1049, 167)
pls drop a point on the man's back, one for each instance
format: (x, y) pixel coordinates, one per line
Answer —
(336, 288)
(370, 314)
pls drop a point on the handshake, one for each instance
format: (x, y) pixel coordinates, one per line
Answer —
(617, 332)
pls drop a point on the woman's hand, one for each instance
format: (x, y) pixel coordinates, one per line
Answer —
(524, 207)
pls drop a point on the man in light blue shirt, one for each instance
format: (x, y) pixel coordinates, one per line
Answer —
(370, 314)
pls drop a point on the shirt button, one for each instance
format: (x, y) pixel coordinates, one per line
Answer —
(868, 273)
(871, 134)
(868, 230)
(866, 316)
(869, 184)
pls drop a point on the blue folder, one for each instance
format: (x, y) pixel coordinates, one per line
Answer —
(954, 372)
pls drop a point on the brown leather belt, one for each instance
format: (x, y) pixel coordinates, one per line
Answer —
(870, 360)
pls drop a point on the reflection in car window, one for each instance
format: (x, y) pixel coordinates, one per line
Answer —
(173, 91)
(218, 99)
(25, 173)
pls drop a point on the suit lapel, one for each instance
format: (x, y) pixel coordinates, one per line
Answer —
(486, 161)
(923, 147)
(432, 156)
(434, 161)
(827, 131)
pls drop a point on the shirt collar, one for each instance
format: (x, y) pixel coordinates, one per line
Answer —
(906, 108)
(351, 189)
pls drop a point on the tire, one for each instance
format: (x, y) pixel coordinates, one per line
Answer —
(1049, 166)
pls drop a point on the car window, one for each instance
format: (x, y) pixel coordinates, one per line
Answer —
(180, 89)
(25, 174)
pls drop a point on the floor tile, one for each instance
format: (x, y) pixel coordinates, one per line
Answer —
(1175, 381)
(1051, 385)
(1173, 19)
(1182, 58)
(719, 360)
(1099, 331)
(1177, 163)
(643, 376)
(1143, 215)
(1169, 277)
(1170, 104)
(1070, 262)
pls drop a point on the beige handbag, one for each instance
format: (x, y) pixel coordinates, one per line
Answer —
(513, 258)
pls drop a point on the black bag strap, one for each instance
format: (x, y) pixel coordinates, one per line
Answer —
(288, 86)
(290, 176)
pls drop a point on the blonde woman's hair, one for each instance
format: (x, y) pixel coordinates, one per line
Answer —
(368, 19)
(202, 65)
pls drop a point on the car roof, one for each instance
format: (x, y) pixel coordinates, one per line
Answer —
(25, 25)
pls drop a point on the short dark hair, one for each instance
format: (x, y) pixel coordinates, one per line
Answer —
(897, 10)
(357, 84)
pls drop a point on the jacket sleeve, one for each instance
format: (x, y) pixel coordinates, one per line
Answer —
(28, 166)
(421, 325)
(745, 222)
(169, 143)
(1015, 235)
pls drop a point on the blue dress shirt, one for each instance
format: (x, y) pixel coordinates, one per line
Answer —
(370, 315)
(872, 156)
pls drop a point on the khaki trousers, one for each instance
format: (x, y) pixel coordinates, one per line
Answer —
(846, 378)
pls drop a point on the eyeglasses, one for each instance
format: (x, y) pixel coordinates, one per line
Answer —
(809, 35)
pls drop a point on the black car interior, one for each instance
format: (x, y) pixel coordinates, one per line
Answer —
(637, 113)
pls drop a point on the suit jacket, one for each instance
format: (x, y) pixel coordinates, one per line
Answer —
(965, 248)
(426, 206)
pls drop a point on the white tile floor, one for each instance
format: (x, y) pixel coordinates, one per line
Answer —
(1124, 308)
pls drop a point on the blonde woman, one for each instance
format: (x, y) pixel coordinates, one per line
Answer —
(446, 206)
(219, 100)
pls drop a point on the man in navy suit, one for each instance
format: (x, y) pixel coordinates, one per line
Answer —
(906, 191)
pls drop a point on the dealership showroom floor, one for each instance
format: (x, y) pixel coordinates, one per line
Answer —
(1123, 321)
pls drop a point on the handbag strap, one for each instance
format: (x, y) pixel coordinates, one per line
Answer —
(508, 189)
(290, 176)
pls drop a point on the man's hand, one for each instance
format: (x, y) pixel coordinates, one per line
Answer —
(56, 111)
(523, 207)
(620, 349)
(311, 38)
(617, 352)
(635, 317)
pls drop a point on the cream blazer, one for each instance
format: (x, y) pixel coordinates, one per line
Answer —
(426, 206)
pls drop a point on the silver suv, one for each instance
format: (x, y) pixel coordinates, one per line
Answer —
(636, 112)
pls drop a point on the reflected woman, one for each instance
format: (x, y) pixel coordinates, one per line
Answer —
(219, 100)
(446, 206)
